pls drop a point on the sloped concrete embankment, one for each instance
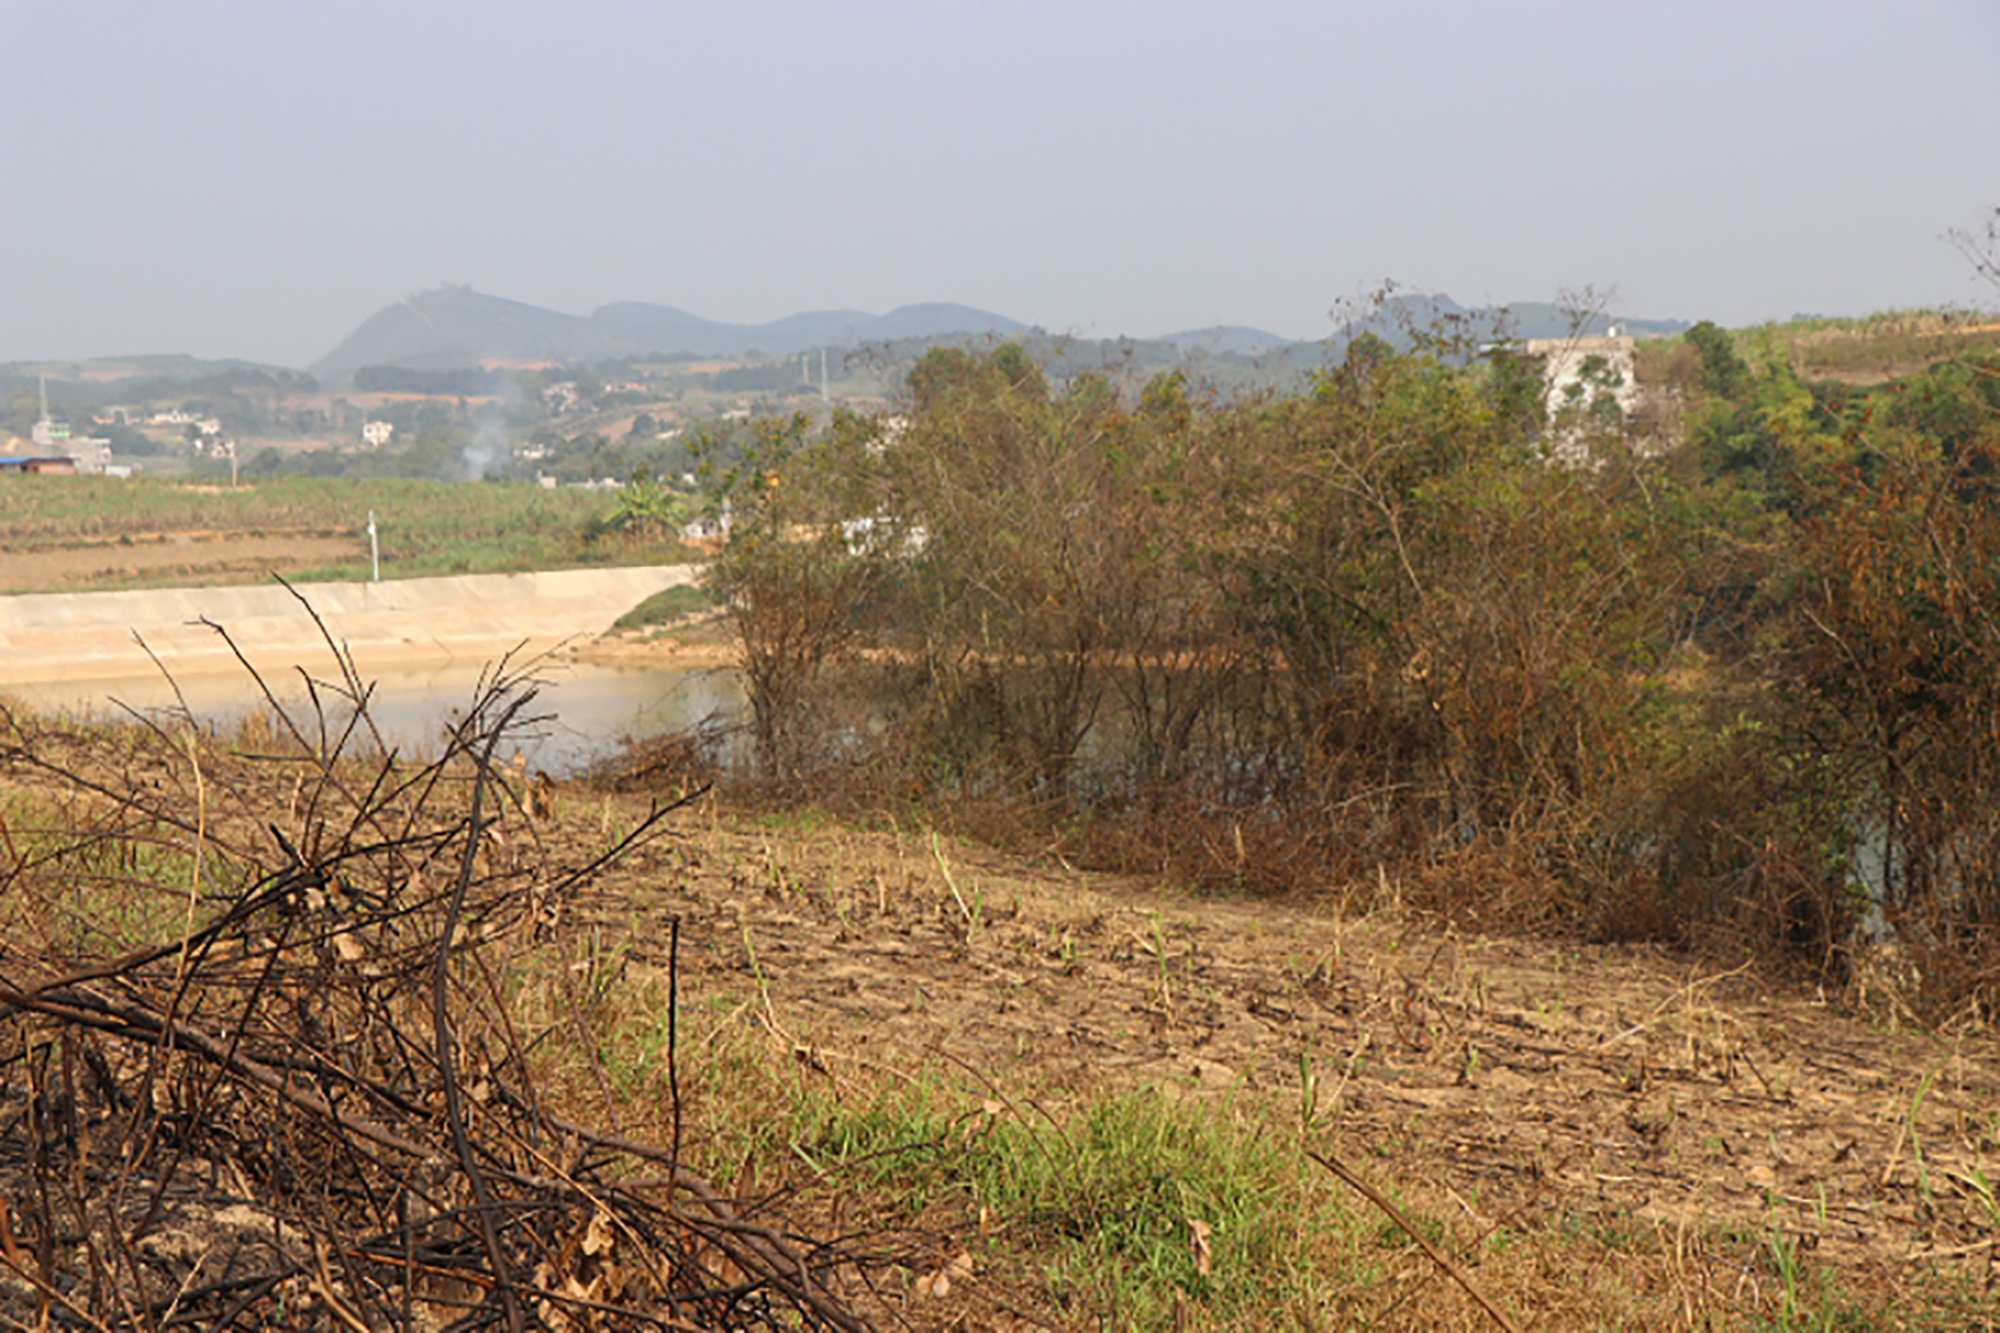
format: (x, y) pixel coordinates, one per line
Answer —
(71, 636)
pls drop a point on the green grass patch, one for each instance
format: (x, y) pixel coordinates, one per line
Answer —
(1129, 1205)
(1130, 1191)
(666, 607)
(1122, 1202)
(1104, 1198)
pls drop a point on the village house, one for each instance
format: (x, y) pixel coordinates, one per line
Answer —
(1589, 388)
(60, 466)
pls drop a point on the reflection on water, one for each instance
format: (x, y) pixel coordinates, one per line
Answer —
(583, 710)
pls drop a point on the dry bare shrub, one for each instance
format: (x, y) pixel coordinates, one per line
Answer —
(1278, 643)
(678, 762)
(1894, 691)
(793, 598)
(259, 1062)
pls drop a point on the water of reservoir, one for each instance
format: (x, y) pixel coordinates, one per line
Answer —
(584, 710)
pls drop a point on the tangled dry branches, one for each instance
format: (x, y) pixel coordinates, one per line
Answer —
(257, 1064)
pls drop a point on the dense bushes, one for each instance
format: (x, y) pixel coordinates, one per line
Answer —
(1749, 683)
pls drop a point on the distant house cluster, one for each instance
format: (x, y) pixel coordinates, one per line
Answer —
(178, 417)
(58, 449)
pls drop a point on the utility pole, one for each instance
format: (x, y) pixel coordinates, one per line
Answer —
(374, 548)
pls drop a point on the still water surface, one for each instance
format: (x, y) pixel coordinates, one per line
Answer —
(584, 710)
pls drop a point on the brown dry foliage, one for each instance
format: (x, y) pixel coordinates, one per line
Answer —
(1283, 644)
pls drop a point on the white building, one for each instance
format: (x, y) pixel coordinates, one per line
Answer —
(1590, 389)
(92, 454)
(50, 436)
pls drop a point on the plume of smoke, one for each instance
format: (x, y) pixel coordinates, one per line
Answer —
(490, 441)
(489, 445)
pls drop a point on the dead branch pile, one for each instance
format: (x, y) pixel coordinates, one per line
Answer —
(257, 1065)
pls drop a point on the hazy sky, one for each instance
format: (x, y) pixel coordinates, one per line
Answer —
(254, 177)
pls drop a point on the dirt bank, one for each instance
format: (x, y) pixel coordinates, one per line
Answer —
(703, 643)
(476, 617)
(210, 557)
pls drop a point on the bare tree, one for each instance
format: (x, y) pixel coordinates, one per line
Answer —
(1981, 247)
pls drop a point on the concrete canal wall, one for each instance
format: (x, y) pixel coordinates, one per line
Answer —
(58, 636)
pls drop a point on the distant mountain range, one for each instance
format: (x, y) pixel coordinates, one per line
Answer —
(456, 326)
(1402, 314)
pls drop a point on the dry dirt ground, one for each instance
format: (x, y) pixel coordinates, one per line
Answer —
(1488, 1079)
(168, 558)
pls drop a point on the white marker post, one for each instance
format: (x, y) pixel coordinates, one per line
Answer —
(374, 548)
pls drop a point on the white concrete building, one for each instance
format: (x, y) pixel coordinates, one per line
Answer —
(1590, 389)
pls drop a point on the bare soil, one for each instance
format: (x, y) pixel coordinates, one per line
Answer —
(1492, 1080)
(704, 642)
(218, 557)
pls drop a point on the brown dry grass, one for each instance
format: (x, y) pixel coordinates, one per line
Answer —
(1609, 1136)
